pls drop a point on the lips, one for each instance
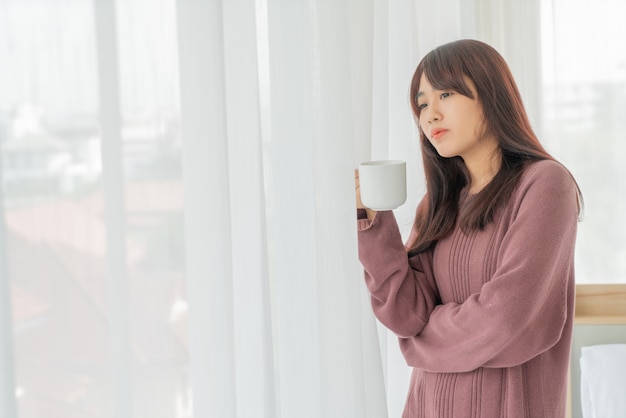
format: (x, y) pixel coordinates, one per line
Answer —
(438, 133)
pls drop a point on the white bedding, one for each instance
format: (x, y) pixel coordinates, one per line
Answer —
(603, 381)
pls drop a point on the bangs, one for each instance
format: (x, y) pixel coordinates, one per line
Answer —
(444, 70)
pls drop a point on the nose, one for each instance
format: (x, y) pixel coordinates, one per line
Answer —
(432, 113)
(434, 116)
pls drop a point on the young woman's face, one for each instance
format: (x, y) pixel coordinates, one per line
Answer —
(454, 123)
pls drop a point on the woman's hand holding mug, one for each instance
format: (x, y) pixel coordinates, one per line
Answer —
(380, 185)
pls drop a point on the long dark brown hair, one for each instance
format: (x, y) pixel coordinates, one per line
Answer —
(505, 117)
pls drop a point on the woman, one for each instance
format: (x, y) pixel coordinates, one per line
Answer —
(482, 295)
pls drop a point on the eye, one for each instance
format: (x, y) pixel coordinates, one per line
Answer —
(421, 106)
(444, 95)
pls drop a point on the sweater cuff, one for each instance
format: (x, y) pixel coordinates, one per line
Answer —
(363, 224)
(362, 221)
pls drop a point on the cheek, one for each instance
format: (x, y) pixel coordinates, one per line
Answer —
(420, 123)
(483, 127)
(422, 133)
(428, 141)
(480, 126)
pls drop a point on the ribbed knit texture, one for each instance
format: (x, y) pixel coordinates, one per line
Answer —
(485, 318)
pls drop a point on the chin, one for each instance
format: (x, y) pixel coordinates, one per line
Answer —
(444, 154)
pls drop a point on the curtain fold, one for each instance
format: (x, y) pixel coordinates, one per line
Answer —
(118, 306)
(206, 187)
(338, 276)
(253, 351)
(7, 356)
(291, 210)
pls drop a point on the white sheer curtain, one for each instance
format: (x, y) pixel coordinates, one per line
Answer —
(295, 335)
(178, 228)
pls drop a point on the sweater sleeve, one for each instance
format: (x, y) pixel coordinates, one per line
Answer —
(521, 312)
(402, 290)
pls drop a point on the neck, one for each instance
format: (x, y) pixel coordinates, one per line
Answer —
(483, 169)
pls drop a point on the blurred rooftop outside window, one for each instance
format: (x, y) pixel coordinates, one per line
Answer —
(52, 190)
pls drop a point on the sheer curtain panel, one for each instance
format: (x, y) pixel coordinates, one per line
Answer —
(279, 322)
(207, 209)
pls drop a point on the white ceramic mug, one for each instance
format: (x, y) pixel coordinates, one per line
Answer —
(382, 184)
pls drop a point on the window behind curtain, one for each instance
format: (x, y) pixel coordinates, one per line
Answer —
(584, 123)
(56, 224)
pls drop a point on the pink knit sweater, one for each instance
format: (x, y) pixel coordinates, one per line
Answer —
(484, 319)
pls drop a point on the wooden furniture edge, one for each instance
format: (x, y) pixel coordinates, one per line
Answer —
(600, 304)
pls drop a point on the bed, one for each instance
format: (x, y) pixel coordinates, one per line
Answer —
(600, 322)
